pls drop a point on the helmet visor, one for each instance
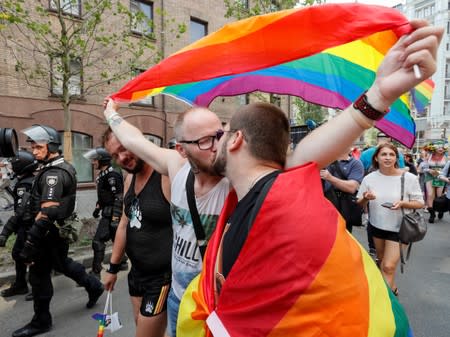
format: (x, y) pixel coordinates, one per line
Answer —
(37, 134)
(91, 154)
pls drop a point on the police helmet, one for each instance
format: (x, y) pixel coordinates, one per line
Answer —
(39, 133)
(24, 162)
(100, 154)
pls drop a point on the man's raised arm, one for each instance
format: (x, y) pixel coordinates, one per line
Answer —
(165, 161)
(395, 76)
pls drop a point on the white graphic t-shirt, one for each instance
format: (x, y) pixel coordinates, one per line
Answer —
(186, 258)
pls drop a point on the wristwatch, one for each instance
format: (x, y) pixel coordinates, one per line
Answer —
(368, 110)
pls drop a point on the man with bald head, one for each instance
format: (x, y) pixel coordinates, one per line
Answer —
(196, 131)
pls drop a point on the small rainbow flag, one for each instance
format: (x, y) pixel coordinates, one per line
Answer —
(299, 273)
(326, 54)
(101, 318)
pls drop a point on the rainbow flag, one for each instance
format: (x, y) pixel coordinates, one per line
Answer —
(326, 54)
(299, 273)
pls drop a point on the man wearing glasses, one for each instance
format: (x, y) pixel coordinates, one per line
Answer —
(196, 131)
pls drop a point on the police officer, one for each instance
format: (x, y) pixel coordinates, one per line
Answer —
(23, 165)
(109, 203)
(52, 201)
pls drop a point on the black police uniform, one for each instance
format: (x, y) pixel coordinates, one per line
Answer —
(55, 181)
(110, 203)
(19, 223)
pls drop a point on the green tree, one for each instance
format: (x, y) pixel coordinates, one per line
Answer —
(241, 9)
(304, 111)
(83, 44)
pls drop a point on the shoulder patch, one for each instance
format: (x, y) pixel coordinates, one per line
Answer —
(112, 181)
(51, 180)
(21, 191)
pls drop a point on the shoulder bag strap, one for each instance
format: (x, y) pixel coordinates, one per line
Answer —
(198, 228)
(402, 258)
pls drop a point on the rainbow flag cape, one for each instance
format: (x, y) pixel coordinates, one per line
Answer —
(326, 54)
(299, 273)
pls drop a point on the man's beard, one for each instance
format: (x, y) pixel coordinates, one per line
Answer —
(220, 163)
(137, 168)
(199, 167)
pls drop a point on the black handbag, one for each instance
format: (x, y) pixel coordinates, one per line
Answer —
(440, 204)
(412, 229)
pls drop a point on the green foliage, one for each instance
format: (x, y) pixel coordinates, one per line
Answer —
(307, 111)
(98, 36)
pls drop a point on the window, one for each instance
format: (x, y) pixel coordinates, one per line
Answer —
(75, 81)
(447, 68)
(244, 99)
(244, 3)
(71, 7)
(275, 99)
(154, 139)
(447, 108)
(149, 101)
(447, 89)
(198, 29)
(142, 17)
(80, 144)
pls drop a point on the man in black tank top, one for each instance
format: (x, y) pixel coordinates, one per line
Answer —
(145, 234)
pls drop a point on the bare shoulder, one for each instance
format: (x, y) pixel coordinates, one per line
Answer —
(175, 163)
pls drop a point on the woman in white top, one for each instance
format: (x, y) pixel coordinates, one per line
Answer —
(383, 189)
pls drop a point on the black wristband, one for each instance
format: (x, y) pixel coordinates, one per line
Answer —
(367, 109)
(113, 268)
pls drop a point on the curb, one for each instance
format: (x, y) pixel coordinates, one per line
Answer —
(81, 256)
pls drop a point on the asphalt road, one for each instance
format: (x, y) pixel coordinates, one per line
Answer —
(424, 292)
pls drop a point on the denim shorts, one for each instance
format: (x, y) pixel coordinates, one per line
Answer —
(173, 305)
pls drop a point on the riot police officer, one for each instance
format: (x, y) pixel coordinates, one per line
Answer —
(109, 203)
(52, 201)
(23, 165)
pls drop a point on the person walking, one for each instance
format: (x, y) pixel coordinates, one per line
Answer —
(196, 131)
(52, 201)
(343, 177)
(23, 165)
(432, 167)
(381, 191)
(109, 204)
(145, 234)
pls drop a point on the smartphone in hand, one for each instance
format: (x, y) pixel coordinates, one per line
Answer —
(388, 204)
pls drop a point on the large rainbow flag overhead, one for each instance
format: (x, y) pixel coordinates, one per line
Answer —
(298, 274)
(326, 54)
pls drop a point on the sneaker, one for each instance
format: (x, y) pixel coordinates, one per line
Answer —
(94, 295)
(14, 290)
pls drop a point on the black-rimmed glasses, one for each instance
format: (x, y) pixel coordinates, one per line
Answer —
(207, 142)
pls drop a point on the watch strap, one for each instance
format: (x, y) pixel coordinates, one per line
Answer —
(368, 110)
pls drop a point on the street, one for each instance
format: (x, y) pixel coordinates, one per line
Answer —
(424, 292)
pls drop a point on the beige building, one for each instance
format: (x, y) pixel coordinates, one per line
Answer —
(22, 105)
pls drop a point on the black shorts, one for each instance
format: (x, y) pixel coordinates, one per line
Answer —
(153, 290)
(383, 234)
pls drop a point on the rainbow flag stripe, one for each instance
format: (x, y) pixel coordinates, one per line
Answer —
(299, 273)
(285, 53)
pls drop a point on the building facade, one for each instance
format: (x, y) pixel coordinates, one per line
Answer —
(22, 104)
(437, 116)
